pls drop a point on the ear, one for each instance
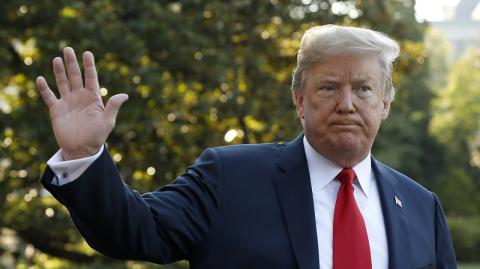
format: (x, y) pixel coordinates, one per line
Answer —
(386, 109)
(298, 98)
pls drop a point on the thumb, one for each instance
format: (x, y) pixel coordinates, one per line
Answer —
(113, 105)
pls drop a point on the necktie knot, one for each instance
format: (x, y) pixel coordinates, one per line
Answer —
(346, 176)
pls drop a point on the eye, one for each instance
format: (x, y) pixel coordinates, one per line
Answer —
(326, 88)
(364, 91)
(364, 88)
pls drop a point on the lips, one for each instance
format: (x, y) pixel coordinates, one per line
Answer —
(345, 123)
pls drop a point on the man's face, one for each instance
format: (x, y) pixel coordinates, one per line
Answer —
(342, 105)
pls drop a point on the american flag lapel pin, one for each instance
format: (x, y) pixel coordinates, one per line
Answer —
(398, 202)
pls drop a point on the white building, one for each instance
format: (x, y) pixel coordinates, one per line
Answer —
(461, 25)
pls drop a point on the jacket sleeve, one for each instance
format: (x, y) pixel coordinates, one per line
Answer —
(160, 226)
(443, 243)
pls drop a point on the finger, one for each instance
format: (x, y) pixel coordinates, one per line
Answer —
(61, 77)
(73, 70)
(113, 105)
(47, 95)
(91, 77)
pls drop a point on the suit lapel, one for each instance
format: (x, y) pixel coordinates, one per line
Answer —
(396, 222)
(295, 196)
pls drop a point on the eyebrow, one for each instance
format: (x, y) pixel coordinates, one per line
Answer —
(328, 79)
(363, 79)
(333, 79)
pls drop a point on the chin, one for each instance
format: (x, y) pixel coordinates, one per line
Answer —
(346, 141)
(349, 149)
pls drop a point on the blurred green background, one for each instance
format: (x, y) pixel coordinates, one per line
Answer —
(206, 73)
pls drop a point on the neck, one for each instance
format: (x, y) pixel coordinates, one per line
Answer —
(346, 157)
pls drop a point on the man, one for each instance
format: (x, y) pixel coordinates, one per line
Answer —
(320, 201)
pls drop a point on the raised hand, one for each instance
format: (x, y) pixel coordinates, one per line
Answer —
(80, 121)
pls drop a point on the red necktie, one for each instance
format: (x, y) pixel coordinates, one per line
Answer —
(350, 239)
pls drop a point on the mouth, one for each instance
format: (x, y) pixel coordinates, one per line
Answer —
(345, 125)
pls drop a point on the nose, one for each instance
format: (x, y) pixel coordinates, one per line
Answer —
(345, 101)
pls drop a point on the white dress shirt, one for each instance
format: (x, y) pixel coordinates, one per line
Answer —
(324, 190)
(67, 171)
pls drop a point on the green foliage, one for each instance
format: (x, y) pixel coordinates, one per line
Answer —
(455, 124)
(438, 52)
(466, 237)
(194, 70)
(459, 193)
(458, 109)
(468, 266)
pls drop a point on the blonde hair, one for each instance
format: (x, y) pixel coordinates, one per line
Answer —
(322, 42)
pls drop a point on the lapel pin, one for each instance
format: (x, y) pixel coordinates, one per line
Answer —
(398, 202)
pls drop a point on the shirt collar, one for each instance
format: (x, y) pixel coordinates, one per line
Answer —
(323, 171)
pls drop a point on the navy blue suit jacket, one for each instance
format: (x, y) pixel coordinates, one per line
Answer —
(244, 206)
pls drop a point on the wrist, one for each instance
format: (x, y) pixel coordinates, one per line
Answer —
(79, 154)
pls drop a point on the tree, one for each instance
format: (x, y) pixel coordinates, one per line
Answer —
(456, 125)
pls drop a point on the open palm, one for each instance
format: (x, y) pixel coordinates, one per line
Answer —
(80, 121)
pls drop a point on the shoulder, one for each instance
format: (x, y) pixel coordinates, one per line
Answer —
(403, 183)
(243, 151)
(255, 157)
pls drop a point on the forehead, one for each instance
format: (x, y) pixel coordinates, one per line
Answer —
(351, 67)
